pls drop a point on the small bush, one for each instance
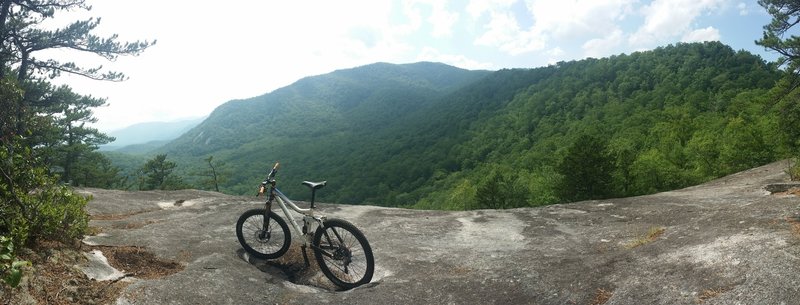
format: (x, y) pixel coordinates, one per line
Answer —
(33, 204)
(10, 267)
(793, 170)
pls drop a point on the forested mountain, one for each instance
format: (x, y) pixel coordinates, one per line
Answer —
(436, 136)
(318, 125)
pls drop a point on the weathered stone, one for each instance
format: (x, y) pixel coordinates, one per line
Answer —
(724, 242)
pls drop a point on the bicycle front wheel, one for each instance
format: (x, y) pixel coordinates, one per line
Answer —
(343, 254)
(263, 239)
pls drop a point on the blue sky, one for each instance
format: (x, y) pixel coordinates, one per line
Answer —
(234, 49)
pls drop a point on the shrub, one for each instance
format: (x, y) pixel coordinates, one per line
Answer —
(32, 204)
(10, 271)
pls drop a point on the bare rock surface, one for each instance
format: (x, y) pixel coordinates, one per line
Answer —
(725, 242)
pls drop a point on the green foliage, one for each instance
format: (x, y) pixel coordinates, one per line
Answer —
(432, 136)
(22, 21)
(793, 169)
(785, 15)
(10, 267)
(501, 189)
(586, 170)
(214, 174)
(34, 205)
(158, 175)
(44, 128)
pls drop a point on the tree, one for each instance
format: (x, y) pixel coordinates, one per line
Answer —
(785, 15)
(23, 37)
(72, 139)
(501, 189)
(42, 125)
(586, 170)
(93, 169)
(158, 174)
(214, 174)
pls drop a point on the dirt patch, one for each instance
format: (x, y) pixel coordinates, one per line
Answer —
(292, 268)
(792, 191)
(138, 262)
(54, 277)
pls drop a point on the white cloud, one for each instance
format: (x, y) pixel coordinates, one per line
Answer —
(743, 10)
(461, 61)
(667, 19)
(503, 31)
(476, 8)
(570, 18)
(700, 35)
(552, 22)
(442, 20)
(270, 44)
(554, 55)
(600, 47)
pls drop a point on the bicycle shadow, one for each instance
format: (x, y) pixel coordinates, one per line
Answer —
(291, 270)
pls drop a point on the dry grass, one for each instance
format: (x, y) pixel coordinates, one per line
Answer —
(601, 296)
(652, 234)
(709, 294)
(794, 225)
(54, 278)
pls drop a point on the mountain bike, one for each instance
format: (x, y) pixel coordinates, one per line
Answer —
(341, 250)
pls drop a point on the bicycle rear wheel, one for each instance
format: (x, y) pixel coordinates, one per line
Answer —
(264, 242)
(343, 254)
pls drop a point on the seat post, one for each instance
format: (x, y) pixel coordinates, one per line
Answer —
(313, 192)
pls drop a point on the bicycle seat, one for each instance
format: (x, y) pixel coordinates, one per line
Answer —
(315, 185)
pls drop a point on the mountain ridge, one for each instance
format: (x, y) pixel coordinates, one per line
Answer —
(148, 132)
(436, 136)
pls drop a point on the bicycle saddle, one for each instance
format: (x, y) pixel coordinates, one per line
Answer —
(315, 185)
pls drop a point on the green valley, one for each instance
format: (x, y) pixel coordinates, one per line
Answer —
(430, 135)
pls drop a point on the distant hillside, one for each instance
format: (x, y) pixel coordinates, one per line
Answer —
(154, 133)
(318, 123)
(441, 137)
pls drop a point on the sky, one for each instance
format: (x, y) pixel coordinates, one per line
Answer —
(206, 55)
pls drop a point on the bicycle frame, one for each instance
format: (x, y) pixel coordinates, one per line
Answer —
(283, 202)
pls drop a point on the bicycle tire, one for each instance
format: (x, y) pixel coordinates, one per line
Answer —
(251, 236)
(343, 254)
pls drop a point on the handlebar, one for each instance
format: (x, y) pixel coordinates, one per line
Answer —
(270, 179)
(273, 171)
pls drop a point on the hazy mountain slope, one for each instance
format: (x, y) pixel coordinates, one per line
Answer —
(397, 134)
(148, 132)
(318, 122)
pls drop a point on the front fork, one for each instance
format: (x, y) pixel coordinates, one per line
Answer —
(267, 211)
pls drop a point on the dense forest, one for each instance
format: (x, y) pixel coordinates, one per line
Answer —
(428, 135)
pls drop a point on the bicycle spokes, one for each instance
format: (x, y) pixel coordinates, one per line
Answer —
(263, 238)
(340, 248)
